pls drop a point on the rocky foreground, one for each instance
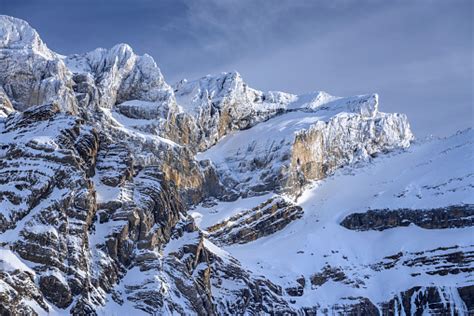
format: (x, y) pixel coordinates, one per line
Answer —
(122, 194)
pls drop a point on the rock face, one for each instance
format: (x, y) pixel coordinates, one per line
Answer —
(440, 218)
(99, 177)
(432, 300)
(263, 220)
(286, 152)
(440, 261)
(327, 146)
(222, 104)
(48, 203)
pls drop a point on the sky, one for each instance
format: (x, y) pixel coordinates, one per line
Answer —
(416, 54)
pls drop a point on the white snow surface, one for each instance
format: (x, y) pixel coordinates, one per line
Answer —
(9, 261)
(193, 95)
(432, 173)
(352, 128)
(18, 34)
(282, 128)
(207, 216)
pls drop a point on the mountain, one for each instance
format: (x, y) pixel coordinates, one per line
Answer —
(123, 194)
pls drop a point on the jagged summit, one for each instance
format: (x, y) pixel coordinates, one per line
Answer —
(121, 75)
(31, 74)
(18, 34)
(133, 86)
(121, 194)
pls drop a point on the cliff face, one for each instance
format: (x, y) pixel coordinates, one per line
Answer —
(120, 193)
(307, 142)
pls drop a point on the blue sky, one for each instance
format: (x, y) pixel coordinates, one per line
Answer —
(418, 55)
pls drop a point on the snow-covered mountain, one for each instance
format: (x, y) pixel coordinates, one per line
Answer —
(122, 194)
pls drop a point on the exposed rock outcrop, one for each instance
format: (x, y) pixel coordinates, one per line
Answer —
(441, 261)
(263, 220)
(287, 151)
(432, 300)
(454, 216)
(225, 103)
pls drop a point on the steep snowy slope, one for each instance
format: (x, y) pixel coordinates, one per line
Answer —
(430, 245)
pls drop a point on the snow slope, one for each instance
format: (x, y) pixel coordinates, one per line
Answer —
(429, 174)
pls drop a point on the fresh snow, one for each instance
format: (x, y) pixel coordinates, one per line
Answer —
(130, 126)
(9, 261)
(105, 193)
(206, 215)
(282, 128)
(434, 173)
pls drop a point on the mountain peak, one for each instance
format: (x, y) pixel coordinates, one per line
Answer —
(19, 35)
